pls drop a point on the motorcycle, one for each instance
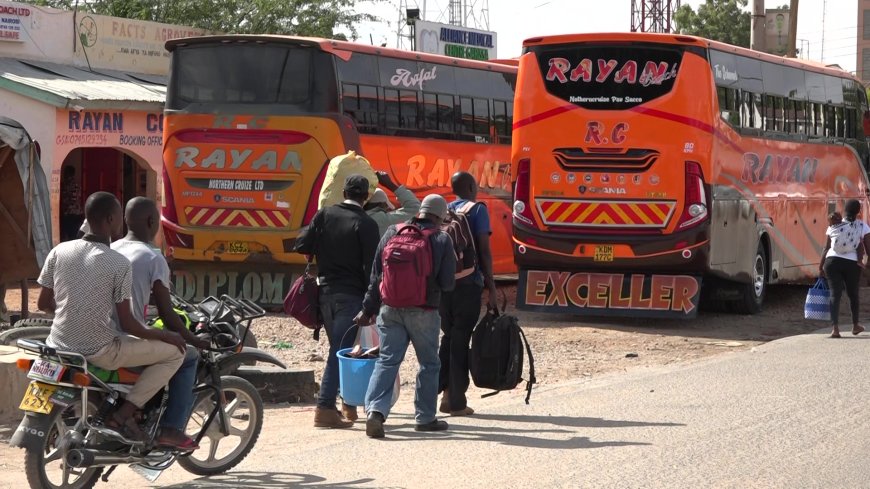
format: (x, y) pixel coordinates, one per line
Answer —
(67, 443)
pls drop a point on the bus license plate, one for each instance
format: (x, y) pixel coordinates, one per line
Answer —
(237, 247)
(603, 253)
(37, 398)
(45, 370)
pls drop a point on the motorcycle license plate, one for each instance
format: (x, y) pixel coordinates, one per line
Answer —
(37, 398)
(45, 370)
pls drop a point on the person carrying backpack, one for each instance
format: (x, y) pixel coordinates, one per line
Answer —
(413, 266)
(343, 239)
(460, 309)
(842, 262)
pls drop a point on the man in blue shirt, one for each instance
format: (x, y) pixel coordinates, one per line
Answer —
(460, 309)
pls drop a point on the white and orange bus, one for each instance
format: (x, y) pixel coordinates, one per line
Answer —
(252, 121)
(645, 164)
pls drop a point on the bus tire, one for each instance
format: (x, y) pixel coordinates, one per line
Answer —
(753, 293)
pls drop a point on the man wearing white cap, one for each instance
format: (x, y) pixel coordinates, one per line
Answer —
(383, 211)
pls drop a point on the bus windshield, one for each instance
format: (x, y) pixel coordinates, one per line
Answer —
(292, 76)
(608, 77)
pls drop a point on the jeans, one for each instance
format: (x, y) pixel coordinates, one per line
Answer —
(842, 272)
(460, 310)
(181, 396)
(338, 311)
(396, 327)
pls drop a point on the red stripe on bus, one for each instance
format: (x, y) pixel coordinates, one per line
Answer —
(544, 115)
(674, 118)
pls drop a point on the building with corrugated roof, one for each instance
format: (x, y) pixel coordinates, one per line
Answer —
(89, 90)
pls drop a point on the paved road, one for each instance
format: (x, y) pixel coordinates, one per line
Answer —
(788, 414)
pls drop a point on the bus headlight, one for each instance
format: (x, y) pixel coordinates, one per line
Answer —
(519, 207)
(696, 210)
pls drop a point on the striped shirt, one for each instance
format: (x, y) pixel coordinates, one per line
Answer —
(88, 280)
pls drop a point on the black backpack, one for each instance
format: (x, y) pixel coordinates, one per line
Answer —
(496, 356)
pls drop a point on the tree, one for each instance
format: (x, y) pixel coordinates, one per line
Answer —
(316, 18)
(720, 20)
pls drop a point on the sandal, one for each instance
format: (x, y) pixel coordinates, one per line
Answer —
(857, 329)
(172, 438)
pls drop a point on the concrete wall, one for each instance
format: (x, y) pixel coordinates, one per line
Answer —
(13, 382)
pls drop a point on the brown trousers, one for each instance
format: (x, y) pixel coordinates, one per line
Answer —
(161, 360)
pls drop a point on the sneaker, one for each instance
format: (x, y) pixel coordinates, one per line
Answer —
(437, 425)
(330, 418)
(375, 425)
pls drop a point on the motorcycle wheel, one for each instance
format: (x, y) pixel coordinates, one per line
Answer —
(217, 454)
(45, 468)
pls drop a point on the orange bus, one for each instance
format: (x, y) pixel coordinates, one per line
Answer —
(252, 121)
(648, 163)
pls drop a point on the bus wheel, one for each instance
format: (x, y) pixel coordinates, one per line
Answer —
(752, 296)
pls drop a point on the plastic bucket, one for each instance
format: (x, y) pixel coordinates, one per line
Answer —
(353, 377)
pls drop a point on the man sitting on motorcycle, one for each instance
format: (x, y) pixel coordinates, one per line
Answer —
(151, 279)
(84, 282)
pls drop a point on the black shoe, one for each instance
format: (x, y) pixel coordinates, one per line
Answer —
(375, 425)
(436, 425)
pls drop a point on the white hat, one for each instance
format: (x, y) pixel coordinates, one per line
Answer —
(380, 197)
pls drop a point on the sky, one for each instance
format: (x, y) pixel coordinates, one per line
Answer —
(516, 20)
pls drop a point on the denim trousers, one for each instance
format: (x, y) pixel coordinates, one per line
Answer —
(338, 311)
(181, 396)
(397, 327)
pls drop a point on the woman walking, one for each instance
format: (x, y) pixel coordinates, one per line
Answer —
(842, 261)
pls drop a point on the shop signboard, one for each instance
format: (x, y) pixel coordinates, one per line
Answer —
(455, 41)
(13, 21)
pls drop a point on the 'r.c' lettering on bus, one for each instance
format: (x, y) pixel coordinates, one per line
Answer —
(595, 129)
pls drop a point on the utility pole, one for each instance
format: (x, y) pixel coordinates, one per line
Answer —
(756, 42)
(792, 28)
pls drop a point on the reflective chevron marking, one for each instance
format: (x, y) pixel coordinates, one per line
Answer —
(592, 213)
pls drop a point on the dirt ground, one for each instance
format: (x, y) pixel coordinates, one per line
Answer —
(569, 347)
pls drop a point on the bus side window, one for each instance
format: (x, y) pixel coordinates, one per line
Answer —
(801, 116)
(757, 111)
(502, 115)
(769, 113)
(817, 125)
(746, 110)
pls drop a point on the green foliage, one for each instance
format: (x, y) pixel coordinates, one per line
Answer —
(720, 20)
(316, 18)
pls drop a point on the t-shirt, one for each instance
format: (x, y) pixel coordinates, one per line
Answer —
(88, 280)
(478, 219)
(852, 255)
(149, 267)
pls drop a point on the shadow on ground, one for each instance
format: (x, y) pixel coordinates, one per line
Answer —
(251, 480)
(518, 436)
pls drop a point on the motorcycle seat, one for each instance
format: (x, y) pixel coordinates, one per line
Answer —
(120, 376)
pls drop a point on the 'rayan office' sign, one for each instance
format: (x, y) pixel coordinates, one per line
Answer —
(455, 41)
